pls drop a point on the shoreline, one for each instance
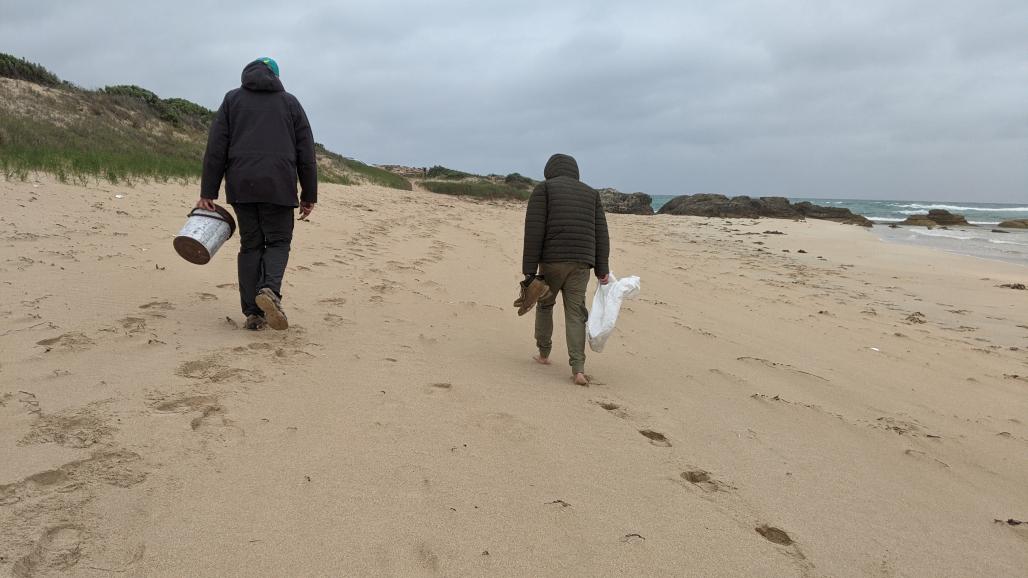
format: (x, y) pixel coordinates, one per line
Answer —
(1010, 246)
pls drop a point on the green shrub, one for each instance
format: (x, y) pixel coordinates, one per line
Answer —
(21, 69)
(185, 109)
(132, 91)
(438, 172)
(174, 110)
(518, 181)
(482, 190)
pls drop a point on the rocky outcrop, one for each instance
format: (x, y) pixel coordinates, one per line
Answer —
(708, 205)
(838, 214)
(615, 201)
(935, 218)
(1015, 224)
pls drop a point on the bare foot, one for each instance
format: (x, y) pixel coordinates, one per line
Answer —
(541, 360)
(581, 379)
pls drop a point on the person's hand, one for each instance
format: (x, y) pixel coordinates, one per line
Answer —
(205, 204)
(305, 210)
(604, 280)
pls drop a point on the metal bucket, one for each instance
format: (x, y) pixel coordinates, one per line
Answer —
(204, 233)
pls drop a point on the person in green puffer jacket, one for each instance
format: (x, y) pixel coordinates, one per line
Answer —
(565, 237)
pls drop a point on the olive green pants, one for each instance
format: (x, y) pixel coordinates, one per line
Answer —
(571, 280)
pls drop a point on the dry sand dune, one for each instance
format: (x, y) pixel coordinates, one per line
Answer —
(858, 409)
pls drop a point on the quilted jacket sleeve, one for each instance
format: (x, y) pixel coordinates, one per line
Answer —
(535, 230)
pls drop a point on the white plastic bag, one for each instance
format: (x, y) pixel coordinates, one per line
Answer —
(606, 306)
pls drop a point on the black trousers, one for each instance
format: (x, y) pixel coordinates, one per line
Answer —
(265, 235)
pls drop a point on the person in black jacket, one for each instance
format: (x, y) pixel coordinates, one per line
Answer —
(261, 143)
(565, 237)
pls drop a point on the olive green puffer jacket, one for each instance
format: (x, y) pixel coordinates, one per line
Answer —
(565, 221)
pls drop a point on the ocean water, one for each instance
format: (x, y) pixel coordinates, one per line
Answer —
(895, 211)
(978, 240)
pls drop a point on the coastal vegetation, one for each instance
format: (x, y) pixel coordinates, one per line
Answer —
(120, 133)
(21, 69)
(478, 189)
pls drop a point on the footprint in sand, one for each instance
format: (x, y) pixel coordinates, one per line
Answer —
(132, 325)
(703, 480)
(773, 534)
(210, 411)
(255, 346)
(336, 320)
(210, 370)
(113, 467)
(57, 550)
(656, 438)
(158, 306)
(901, 427)
(76, 428)
(67, 342)
(206, 297)
(613, 408)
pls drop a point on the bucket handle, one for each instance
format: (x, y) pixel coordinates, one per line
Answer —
(222, 215)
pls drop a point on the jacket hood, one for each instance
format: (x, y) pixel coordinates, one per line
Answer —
(561, 166)
(257, 76)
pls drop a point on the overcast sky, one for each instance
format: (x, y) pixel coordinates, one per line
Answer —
(870, 99)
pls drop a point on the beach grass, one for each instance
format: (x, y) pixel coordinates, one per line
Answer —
(481, 190)
(122, 134)
(91, 148)
(378, 176)
(344, 170)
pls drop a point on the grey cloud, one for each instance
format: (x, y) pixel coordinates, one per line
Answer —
(914, 99)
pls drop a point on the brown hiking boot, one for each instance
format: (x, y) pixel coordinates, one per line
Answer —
(531, 294)
(272, 308)
(255, 323)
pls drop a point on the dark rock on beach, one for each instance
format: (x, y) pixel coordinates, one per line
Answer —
(935, 218)
(1015, 224)
(615, 201)
(712, 205)
(838, 214)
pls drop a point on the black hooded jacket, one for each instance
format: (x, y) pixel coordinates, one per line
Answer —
(565, 221)
(260, 142)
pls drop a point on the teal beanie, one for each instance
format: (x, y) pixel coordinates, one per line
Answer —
(270, 62)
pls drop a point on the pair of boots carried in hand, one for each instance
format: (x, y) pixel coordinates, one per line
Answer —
(532, 290)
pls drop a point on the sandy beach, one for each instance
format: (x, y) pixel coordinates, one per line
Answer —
(810, 403)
